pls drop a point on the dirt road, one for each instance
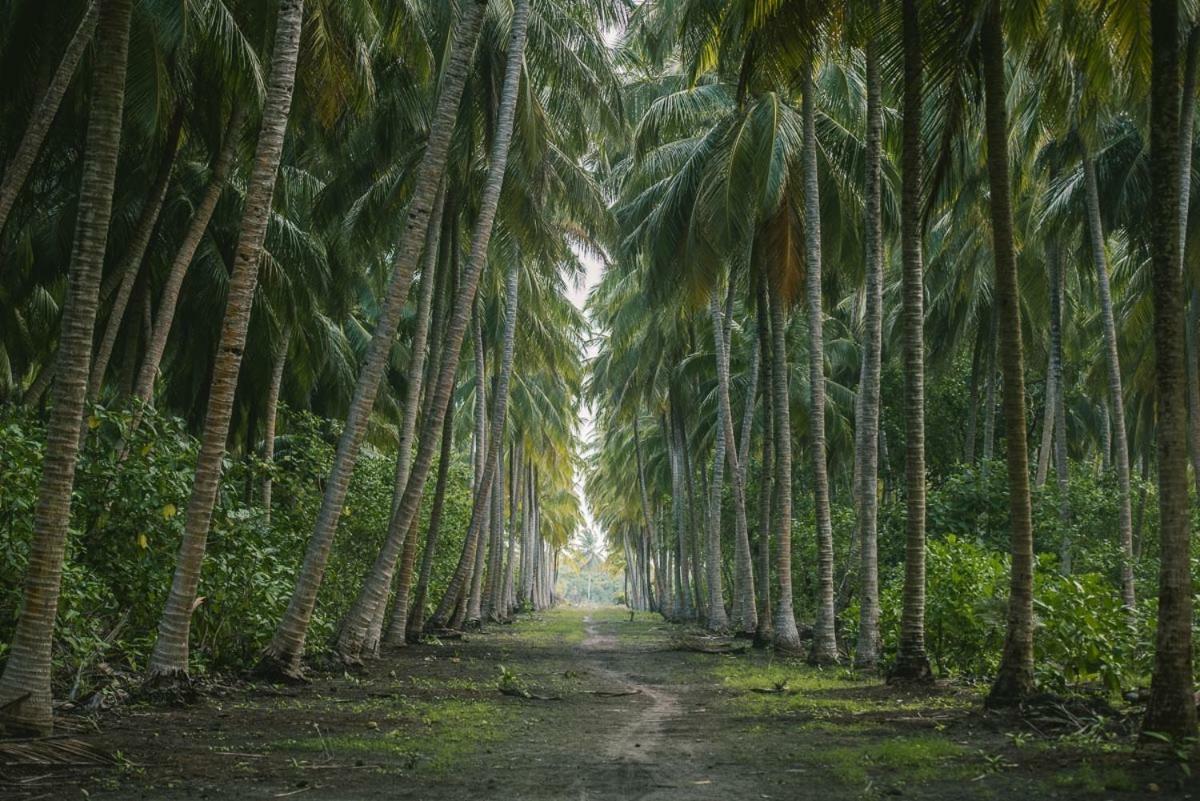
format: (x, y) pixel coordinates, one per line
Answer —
(595, 707)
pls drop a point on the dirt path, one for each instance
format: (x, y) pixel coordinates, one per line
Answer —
(612, 714)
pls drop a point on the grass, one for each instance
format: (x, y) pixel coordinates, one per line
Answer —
(1093, 779)
(907, 759)
(433, 737)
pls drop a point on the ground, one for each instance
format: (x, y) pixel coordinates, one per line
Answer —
(594, 706)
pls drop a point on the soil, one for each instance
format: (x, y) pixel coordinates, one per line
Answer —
(595, 706)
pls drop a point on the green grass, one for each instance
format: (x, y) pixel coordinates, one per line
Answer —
(906, 759)
(1094, 779)
(435, 736)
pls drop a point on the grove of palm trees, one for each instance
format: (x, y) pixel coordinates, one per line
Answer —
(604, 399)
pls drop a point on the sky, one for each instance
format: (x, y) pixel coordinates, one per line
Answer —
(593, 268)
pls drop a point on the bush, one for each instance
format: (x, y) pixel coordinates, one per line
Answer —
(131, 496)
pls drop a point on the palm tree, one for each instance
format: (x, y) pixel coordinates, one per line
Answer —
(282, 655)
(867, 652)
(1172, 708)
(787, 637)
(25, 683)
(169, 660)
(911, 661)
(164, 316)
(1014, 680)
(824, 648)
(21, 162)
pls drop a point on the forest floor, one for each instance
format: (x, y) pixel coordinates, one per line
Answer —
(599, 708)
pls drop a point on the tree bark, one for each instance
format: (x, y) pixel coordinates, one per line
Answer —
(1116, 393)
(717, 620)
(1057, 297)
(866, 655)
(824, 647)
(282, 655)
(764, 635)
(168, 297)
(126, 273)
(286, 650)
(1172, 708)
(412, 401)
(21, 164)
(272, 411)
(25, 696)
(787, 637)
(1014, 681)
(912, 663)
(169, 660)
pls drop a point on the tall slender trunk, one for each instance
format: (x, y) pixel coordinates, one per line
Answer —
(912, 663)
(1187, 121)
(787, 637)
(989, 412)
(1057, 297)
(288, 644)
(745, 611)
(508, 593)
(42, 116)
(494, 443)
(495, 569)
(282, 655)
(1115, 390)
(169, 660)
(127, 272)
(763, 635)
(866, 655)
(412, 402)
(717, 620)
(1014, 681)
(969, 435)
(473, 609)
(683, 598)
(824, 647)
(272, 413)
(408, 619)
(406, 624)
(25, 684)
(1172, 707)
(1045, 446)
(168, 298)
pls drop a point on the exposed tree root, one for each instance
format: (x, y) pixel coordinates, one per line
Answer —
(278, 671)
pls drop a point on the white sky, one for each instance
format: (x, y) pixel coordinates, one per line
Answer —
(578, 295)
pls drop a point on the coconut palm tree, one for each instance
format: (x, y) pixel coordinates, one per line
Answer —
(25, 683)
(1171, 709)
(169, 660)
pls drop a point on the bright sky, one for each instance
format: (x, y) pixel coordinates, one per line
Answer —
(578, 294)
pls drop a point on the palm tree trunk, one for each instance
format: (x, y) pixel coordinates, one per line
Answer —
(282, 655)
(412, 402)
(1187, 119)
(23, 158)
(745, 611)
(1115, 389)
(169, 660)
(408, 619)
(1172, 708)
(866, 655)
(127, 272)
(25, 695)
(1014, 681)
(969, 435)
(168, 297)
(1057, 297)
(989, 402)
(717, 620)
(494, 442)
(288, 644)
(508, 593)
(824, 647)
(495, 568)
(763, 635)
(272, 412)
(1047, 438)
(787, 637)
(912, 663)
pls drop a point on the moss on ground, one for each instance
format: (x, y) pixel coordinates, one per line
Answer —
(433, 736)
